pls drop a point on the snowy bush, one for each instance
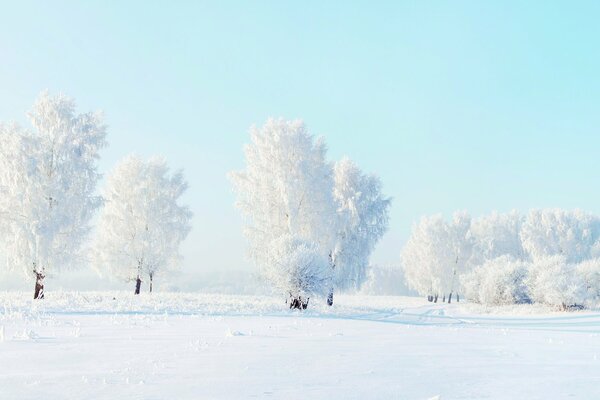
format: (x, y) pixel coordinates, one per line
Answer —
(297, 267)
(497, 282)
(554, 281)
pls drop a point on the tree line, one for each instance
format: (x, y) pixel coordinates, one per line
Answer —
(549, 256)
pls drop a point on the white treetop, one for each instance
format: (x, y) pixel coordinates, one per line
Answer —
(363, 214)
(285, 194)
(497, 235)
(48, 177)
(572, 234)
(141, 225)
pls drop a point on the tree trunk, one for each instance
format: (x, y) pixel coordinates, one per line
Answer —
(329, 298)
(39, 286)
(444, 299)
(450, 298)
(435, 298)
(151, 282)
(330, 295)
(138, 285)
(457, 298)
(430, 298)
(297, 303)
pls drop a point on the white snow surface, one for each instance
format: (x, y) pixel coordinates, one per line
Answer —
(113, 345)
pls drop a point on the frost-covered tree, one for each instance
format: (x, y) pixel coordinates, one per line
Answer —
(550, 232)
(498, 281)
(496, 235)
(436, 254)
(142, 224)
(554, 281)
(285, 194)
(363, 214)
(48, 178)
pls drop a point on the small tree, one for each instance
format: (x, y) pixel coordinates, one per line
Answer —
(285, 194)
(364, 215)
(142, 225)
(48, 179)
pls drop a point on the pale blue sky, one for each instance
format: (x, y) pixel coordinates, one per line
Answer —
(456, 105)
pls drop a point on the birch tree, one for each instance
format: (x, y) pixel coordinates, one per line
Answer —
(142, 223)
(363, 213)
(285, 195)
(48, 177)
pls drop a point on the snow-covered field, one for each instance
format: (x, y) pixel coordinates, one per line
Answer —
(112, 345)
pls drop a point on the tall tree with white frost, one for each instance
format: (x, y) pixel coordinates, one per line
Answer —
(285, 193)
(141, 225)
(48, 177)
(363, 212)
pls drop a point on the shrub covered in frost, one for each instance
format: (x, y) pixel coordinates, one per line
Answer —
(296, 267)
(497, 282)
(554, 281)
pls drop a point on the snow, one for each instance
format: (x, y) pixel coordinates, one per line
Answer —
(108, 345)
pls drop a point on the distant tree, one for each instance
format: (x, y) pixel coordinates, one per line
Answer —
(550, 232)
(436, 254)
(363, 213)
(385, 280)
(48, 178)
(497, 235)
(285, 193)
(142, 224)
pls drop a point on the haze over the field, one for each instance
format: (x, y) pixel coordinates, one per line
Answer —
(455, 106)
